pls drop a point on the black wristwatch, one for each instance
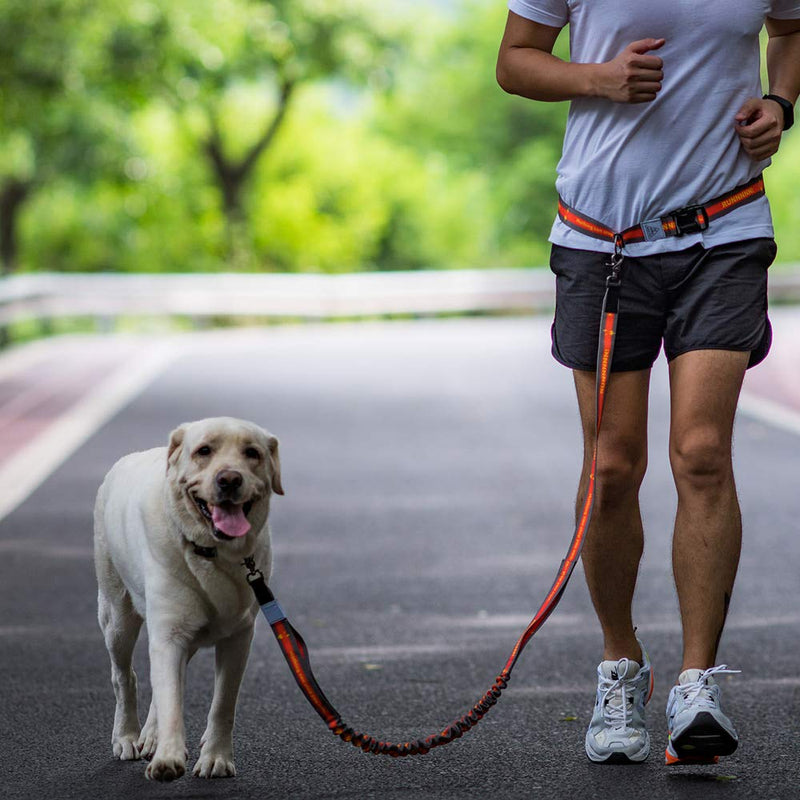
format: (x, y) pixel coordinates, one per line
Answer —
(788, 109)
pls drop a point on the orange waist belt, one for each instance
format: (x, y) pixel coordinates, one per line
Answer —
(690, 219)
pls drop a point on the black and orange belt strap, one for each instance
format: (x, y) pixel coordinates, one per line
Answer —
(690, 219)
(296, 653)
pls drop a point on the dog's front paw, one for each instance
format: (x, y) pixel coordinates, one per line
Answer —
(214, 765)
(165, 768)
(126, 747)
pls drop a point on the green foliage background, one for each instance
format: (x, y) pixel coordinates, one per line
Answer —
(131, 130)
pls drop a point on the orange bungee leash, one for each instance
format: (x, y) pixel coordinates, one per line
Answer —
(691, 219)
(295, 650)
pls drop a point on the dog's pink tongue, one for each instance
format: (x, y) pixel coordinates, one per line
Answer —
(230, 519)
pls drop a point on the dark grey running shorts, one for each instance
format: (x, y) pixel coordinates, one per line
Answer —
(694, 299)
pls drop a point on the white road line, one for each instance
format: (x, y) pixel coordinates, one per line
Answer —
(775, 414)
(27, 469)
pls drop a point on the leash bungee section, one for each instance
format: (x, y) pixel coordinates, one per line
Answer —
(296, 652)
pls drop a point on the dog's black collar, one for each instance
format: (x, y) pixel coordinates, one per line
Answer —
(205, 552)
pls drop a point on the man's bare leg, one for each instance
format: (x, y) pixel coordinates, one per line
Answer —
(614, 542)
(705, 387)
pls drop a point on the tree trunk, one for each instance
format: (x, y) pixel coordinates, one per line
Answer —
(231, 182)
(232, 176)
(12, 195)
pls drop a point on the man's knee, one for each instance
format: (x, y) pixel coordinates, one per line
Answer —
(701, 458)
(620, 471)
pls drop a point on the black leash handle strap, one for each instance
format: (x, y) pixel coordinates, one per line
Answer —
(295, 650)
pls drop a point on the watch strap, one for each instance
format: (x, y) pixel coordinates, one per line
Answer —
(788, 109)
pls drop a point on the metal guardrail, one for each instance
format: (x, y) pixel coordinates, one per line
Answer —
(310, 296)
(44, 296)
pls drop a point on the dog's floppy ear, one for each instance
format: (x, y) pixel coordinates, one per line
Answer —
(275, 464)
(175, 442)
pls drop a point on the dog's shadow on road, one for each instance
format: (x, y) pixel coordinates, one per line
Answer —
(124, 780)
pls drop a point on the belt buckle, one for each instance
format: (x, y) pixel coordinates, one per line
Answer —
(691, 219)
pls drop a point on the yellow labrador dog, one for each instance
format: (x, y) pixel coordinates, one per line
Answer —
(172, 526)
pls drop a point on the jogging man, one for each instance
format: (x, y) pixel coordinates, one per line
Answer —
(667, 114)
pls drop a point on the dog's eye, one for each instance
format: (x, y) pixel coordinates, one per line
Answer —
(251, 452)
(205, 450)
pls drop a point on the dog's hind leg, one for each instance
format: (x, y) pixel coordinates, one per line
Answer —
(120, 625)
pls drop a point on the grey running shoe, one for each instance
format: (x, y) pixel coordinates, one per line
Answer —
(617, 732)
(699, 733)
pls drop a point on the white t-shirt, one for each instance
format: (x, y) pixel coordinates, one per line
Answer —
(625, 163)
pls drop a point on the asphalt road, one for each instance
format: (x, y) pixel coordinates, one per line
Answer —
(429, 471)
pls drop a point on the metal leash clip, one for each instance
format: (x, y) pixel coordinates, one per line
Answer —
(253, 574)
(615, 262)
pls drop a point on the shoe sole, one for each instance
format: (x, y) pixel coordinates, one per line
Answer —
(673, 761)
(619, 758)
(703, 742)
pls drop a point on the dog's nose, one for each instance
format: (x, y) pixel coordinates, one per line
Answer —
(229, 479)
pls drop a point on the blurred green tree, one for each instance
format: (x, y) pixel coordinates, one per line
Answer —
(291, 134)
(447, 104)
(338, 196)
(200, 56)
(49, 124)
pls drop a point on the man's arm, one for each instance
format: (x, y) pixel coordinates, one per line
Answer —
(759, 123)
(526, 66)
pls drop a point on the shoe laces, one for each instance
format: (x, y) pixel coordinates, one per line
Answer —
(699, 692)
(616, 714)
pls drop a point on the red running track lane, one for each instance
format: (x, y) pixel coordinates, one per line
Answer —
(41, 382)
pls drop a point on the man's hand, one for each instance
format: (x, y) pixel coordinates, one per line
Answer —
(633, 76)
(759, 125)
